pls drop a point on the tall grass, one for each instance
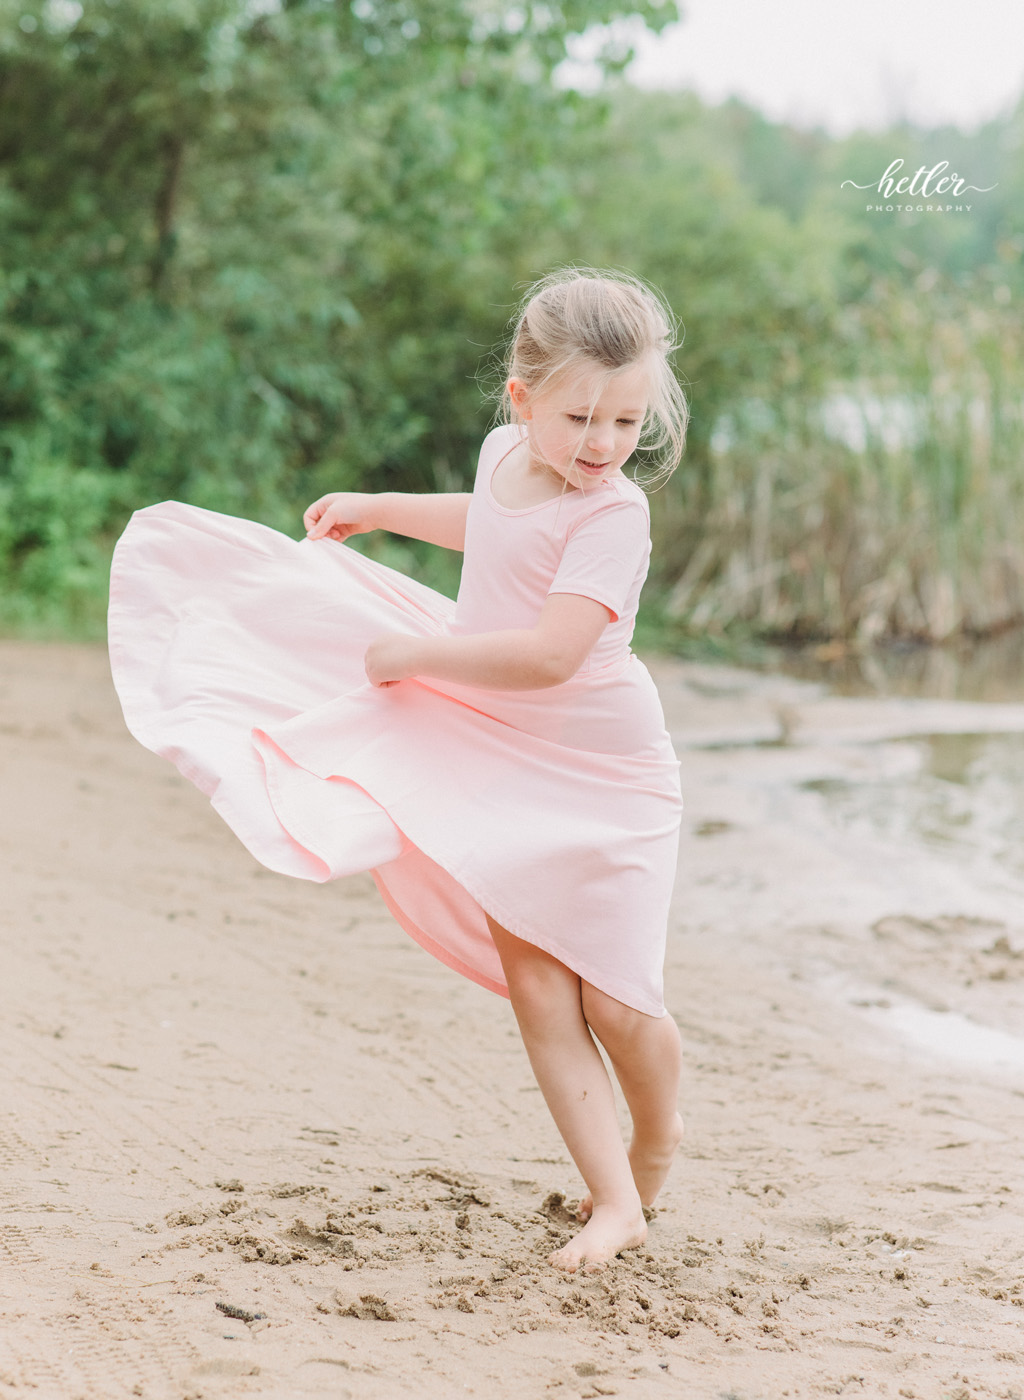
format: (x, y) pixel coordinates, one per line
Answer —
(891, 507)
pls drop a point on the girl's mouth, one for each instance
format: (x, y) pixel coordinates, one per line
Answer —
(594, 468)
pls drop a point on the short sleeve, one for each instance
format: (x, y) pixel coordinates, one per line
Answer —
(606, 555)
(498, 443)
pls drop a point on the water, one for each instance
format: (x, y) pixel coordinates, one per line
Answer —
(964, 803)
(857, 420)
(968, 796)
(991, 670)
(860, 419)
(954, 1037)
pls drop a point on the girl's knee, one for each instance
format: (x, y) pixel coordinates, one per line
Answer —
(613, 1022)
(537, 982)
(606, 1016)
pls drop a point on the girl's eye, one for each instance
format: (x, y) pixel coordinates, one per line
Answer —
(623, 422)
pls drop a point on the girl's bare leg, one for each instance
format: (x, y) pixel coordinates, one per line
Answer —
(646, 1055)
(547, 998)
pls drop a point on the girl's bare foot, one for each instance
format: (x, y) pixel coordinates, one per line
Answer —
(608, 1231)
(650, 1163)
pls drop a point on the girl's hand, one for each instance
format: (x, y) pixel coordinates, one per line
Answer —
(390, 659)
(339, 515)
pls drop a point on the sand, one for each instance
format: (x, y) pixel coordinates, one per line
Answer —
(257, 1143)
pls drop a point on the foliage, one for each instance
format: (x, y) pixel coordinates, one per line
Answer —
(254, 250)
(258, 249)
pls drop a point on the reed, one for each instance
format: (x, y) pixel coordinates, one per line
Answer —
(890, 507)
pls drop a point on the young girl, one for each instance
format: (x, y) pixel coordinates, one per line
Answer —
(500, 764)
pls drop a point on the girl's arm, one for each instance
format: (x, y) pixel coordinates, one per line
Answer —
(437, 519)
(527, 658)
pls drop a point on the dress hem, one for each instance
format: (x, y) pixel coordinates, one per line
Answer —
(484, 900)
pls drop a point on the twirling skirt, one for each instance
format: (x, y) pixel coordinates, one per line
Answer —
(237, 654)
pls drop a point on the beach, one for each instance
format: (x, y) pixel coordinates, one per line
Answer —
(256, 1142)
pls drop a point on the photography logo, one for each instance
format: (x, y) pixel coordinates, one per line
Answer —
(924, 192)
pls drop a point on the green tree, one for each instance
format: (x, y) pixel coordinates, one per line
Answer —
(246, 245)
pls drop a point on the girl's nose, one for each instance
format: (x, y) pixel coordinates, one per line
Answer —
(600, 438)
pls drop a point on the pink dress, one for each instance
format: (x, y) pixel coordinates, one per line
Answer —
(237, 653)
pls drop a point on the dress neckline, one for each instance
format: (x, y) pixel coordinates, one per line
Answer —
(539, 505)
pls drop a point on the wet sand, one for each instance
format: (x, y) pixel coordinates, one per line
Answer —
(257, 1143)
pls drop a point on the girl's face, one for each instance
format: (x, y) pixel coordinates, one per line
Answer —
(587, 427)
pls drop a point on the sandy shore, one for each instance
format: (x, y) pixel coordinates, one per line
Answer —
(257, 1143)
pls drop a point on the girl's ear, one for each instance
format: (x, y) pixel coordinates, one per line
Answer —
(519, 394)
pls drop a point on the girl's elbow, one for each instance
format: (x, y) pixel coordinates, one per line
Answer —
(555, 668)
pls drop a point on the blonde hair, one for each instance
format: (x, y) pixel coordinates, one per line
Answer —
(580, 319)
